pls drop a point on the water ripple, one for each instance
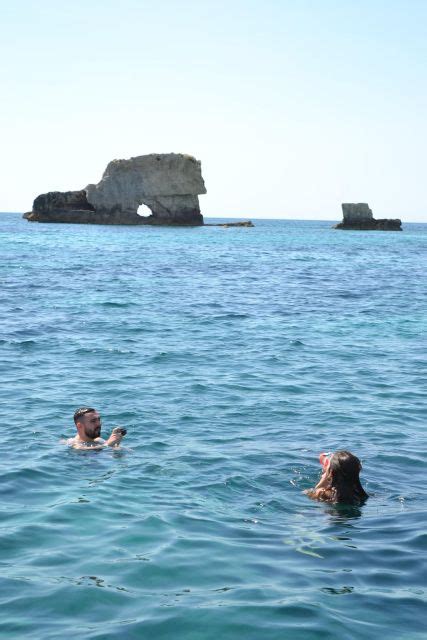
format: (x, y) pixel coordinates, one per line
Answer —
(233, 359)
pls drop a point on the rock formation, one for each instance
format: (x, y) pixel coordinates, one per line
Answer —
(226, 225)
(169, 184)
(359, 216)
(57, 206)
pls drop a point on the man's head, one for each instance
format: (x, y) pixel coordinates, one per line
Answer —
(88, 423)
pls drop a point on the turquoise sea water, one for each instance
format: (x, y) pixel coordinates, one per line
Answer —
(233, 357)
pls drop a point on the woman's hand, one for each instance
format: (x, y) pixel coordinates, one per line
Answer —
(324, 480)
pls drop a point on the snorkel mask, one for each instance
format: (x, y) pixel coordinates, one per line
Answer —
(324, 459)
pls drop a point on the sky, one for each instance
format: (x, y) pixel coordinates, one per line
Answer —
(292, 106)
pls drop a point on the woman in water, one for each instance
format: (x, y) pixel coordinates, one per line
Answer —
(340, 480)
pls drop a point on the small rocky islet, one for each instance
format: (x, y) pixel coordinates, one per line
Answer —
(359, 217)
(169, 184)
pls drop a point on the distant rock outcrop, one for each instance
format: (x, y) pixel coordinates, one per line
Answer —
(168, 184)
(226, 225)
(359, 216)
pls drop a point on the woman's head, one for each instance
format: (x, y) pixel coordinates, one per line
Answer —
(343, 471)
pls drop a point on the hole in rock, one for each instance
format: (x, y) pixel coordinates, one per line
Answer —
(144, 211)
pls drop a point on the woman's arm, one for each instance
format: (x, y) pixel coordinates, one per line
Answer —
(324, 481)
(322, 489)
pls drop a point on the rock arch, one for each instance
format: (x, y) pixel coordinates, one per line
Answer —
(168, 184)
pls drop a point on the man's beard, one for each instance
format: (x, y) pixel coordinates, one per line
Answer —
(92, 432)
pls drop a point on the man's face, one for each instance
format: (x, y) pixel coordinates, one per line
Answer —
(91, 424)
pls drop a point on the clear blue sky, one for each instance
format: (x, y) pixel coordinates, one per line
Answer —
(293, 106)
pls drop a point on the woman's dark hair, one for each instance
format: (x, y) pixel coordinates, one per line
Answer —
(345, 485)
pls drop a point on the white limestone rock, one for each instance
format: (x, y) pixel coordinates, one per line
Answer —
(169, 184)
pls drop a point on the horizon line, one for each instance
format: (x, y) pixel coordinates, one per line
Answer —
(222, 217)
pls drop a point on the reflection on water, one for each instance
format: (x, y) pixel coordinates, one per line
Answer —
(103, 477)
(343, 514)
(311, 537)
(339, 591)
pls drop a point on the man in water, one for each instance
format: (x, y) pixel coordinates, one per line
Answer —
(88, 425)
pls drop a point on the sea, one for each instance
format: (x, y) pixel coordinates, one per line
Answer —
(233, 357)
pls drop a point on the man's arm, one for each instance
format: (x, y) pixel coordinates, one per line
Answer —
(97, 444)
(115, 438)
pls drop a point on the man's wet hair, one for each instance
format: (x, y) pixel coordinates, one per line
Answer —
(81, 412)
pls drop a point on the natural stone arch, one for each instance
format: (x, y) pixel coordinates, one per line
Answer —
(168, 184)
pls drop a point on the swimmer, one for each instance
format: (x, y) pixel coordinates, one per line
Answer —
(88, 425)
(339, 482)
